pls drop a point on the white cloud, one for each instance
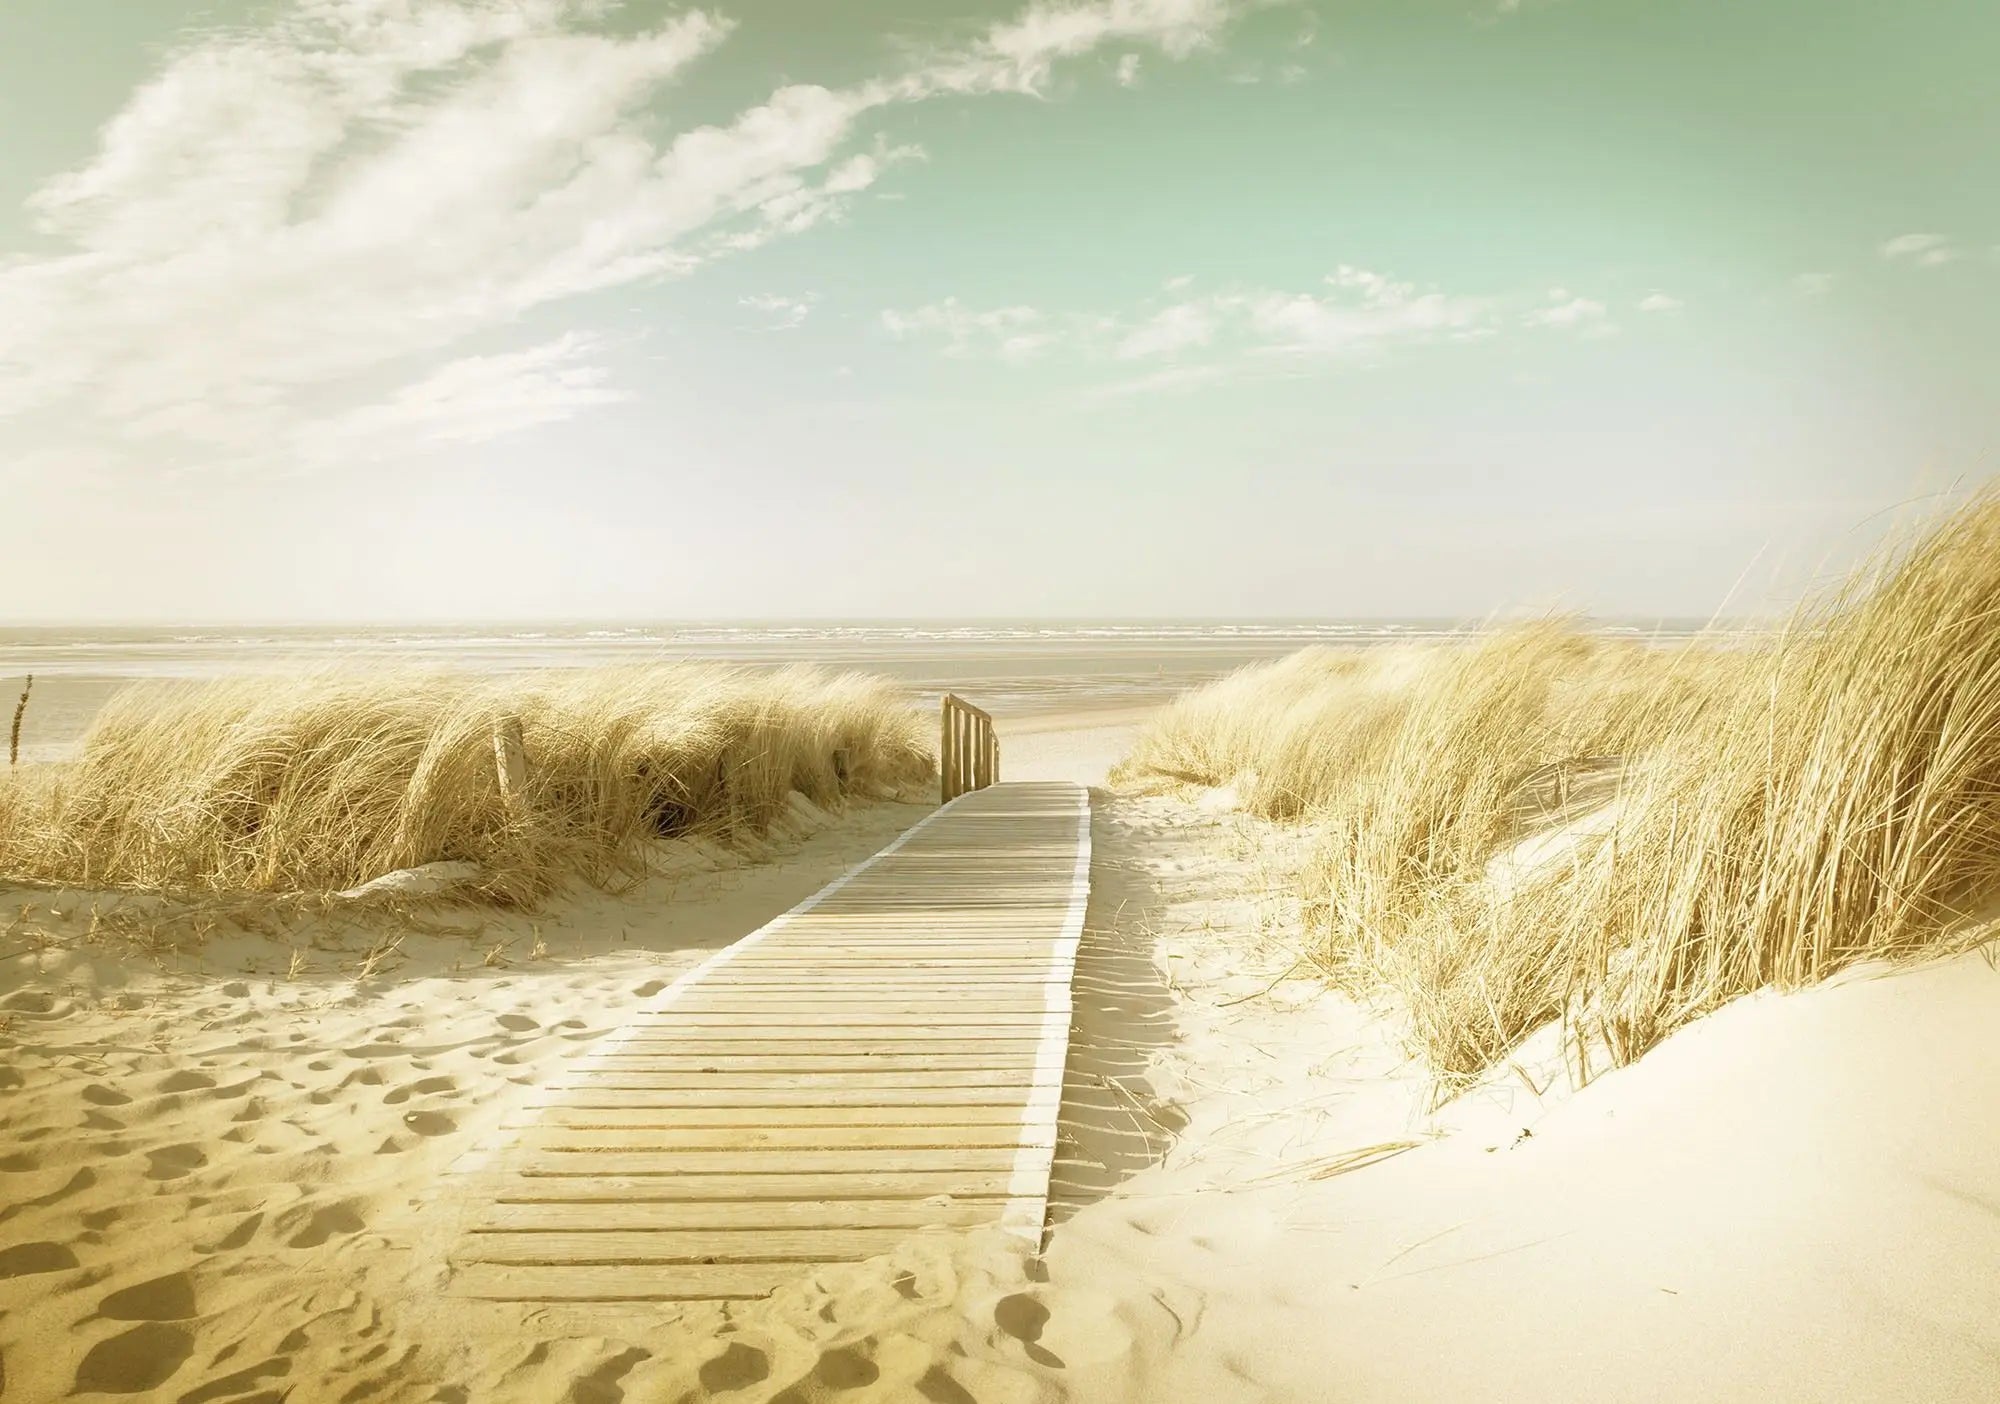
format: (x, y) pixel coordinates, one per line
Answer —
(1566, 310)
(1812, 284)
(285, 216)
(1013, 333)
(1923, 250)
(1356, 313)
(1128, 71)
(785, 313)
(1046, 32)
(1171, 329)
(1167, 378)
(1363, 310)
(1659, 302)
(475, 399)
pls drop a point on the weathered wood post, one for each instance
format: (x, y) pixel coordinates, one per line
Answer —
(510, 764)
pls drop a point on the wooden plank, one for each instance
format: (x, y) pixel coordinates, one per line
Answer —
(610, 1215)
(784, 1187)
(673, 1247)
(881, 1085)
(873, 1006)
(751, 1162)
(862, 1036)
(932, 1135)
(947, 760)
(499, 1282)
(680, 1119)
(871, 1098)
(841, 1059)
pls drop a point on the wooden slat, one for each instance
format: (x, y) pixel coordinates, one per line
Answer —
(977, 1057)
(752, 1161)
(877, 1081)
(765, 1030)
(499, 1282)
(517, 1188)
(664, 1247)
(932, 1135)
(625, 1215)
(762, 1097)
(681, 1121)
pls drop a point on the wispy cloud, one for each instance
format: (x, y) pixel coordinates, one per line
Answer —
(1812, 284)
(1566, 309)
(1360, 310)
(1922, 250)
(1659, 302)
(285, 215)
(784, 313)
(1011, 333)
(1170, 329)
(1353, 315)
(474, 399)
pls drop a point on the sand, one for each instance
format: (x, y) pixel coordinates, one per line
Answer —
(1074, 743)
(223, 1180)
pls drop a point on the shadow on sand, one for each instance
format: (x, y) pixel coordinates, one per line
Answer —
(1113, 1123)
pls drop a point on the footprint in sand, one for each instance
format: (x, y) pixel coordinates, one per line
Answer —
(601, 1386)
(940, 1388)
(331, 1221)
(27, 1259)
(134, 1361)
(169, 1298)
(845, 1369)
(98, 1095)
(1024, 1317)
(172, 1162)
(20, 1163)
(429, 1086)
(186, 1081)
(649, 989)
(429, 1123)
(738, 1367)
(235, 1238)
(516, 1023)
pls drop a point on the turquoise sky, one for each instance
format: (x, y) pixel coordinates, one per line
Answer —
(408, 309)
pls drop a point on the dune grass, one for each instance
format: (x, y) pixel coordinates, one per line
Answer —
(1766, 811)
(323, 781)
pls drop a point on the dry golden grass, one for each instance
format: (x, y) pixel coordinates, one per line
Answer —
(1765, 812)
(325, 781)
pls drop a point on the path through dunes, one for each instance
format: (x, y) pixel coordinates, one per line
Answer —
(886, 1057)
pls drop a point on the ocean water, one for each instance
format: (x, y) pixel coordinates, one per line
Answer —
(1013, 668)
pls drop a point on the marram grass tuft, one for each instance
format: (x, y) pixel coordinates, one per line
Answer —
(322, 781)
(1542, 825)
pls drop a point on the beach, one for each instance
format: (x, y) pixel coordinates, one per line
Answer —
(246, 1133)
(229, 1177)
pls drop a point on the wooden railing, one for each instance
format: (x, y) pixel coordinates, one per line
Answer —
(968, 751)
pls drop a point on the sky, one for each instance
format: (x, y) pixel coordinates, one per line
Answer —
(445, 310)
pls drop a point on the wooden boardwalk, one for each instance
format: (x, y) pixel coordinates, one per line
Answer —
(885, 1057)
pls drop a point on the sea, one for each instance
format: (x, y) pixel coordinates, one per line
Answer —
(1012, 668)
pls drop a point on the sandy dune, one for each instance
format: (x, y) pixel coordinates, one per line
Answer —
(223, 1184)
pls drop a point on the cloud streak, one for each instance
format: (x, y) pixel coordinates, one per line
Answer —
(1352, 316)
